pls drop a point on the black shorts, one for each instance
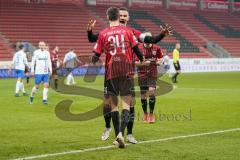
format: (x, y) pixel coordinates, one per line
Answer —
(26, 69)
(122, 86)
(54, 68)
(145, 83)
(54, 71)
(177, 66)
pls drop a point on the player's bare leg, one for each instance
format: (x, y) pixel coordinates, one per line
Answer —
(152, 101)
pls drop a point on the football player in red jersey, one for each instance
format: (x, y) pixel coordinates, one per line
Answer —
(147, 77)
(124, 18)
(119, 45)
(55, 64)
(141, 37)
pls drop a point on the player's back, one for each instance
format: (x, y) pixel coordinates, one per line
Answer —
(118, 40)
(69, 59)
(20, 60)
(41, 61)
(117, 43)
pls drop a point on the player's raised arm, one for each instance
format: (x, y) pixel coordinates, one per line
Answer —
(91, 37)
(98, 50)
(165, 31)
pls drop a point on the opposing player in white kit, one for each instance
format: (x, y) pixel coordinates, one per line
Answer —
(41, 68)
(20, 62)
(166, 64)
(69, 62)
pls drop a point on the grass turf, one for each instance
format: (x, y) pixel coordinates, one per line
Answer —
(213, 99)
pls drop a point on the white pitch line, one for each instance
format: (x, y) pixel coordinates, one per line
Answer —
(211, 89)
(142, 142)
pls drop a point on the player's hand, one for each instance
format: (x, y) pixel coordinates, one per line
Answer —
(153, 61)
(159, 62)
(167, 30)
(147, 62)
(91, 25)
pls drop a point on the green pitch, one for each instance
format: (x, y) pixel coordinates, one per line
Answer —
(204, 102)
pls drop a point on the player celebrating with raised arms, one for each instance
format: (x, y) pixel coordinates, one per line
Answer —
(41, 68)
(118, 43)
(20, 62)
(141, 37)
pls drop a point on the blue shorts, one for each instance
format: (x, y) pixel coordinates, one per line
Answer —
(167, 67)
(41, 78)
(20, 73)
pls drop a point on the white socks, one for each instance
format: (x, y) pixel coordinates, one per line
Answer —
(45, 93)
(22, 87)
(70, 79)
(17, 86)
(34, 90)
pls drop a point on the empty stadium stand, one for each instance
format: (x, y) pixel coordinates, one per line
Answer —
(150, 20)
(64, 25)
(6, 51)
(221, 28)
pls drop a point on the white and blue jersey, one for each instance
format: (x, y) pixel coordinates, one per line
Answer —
(69, 60)
(20, 62)
(166, 62)
(41, 66)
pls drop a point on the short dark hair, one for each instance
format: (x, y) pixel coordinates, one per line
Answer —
(123, 9)
(113, 13)
(20, 46)
(54, 47)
